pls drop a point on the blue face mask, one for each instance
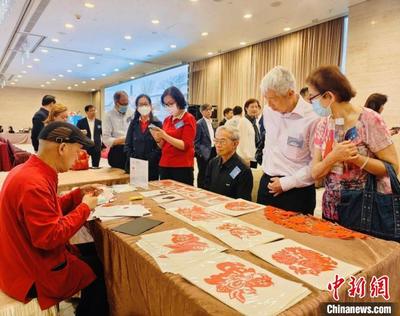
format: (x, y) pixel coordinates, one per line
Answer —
(319, 109)
(122, 108)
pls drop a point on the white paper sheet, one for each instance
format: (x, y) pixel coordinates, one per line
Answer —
(244, 286)
(238, 234)
(168, 184)
(237, 207)
(153, 193)
(131, 210)
(310, 266)
(167, 198)
(175, 249)
(139, 173)
(216, 200)
(123, 188)
(198, 194)
(179, 204)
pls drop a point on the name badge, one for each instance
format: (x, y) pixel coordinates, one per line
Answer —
(295, 142)
(235, 172)
(179, 124)
(98, 126)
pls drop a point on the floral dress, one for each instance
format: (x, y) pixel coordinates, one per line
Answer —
(372, 136)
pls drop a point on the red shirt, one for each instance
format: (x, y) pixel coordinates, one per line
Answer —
(184, 129)
(144, 125)
(35, 226)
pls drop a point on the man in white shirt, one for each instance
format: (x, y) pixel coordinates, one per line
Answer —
(115, 126)
(289, 140)
(204, 143)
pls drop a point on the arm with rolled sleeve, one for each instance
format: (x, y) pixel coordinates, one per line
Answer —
(108, 139)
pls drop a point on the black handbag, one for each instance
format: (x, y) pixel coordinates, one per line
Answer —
(371, 212)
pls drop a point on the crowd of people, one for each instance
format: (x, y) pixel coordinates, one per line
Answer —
(297, 139)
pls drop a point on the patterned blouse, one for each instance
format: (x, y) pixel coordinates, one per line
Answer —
(372, 136)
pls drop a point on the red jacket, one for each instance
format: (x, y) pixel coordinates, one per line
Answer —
(35, 226)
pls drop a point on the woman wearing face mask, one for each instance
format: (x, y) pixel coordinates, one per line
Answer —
(176, 138)
(346, 165)
(138, 141)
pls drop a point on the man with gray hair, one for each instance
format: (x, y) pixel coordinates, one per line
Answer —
(115, 126)
(289, 137)
(228, 174)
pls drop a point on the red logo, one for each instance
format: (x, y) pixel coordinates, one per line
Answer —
(380, 287)
(186, 243)
(237, 280)
(239, 230)
(304, 261)
(197, 213)
(335, 286)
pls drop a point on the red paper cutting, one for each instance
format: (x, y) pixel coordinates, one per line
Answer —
(239, 230)
(239, 206)
(186, 243)
(197, 213)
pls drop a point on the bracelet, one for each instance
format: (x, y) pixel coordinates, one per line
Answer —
(365, 163)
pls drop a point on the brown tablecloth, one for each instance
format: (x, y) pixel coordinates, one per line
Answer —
(136, 286)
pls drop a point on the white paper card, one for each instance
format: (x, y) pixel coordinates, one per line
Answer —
(131, 210)
(152, 193)
(123, 188)
(238, 234)
(167, 198)
(310, 266)
(236, 207)
(139, 173)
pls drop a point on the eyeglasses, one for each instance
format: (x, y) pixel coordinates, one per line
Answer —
(315, 96)
(220, 141)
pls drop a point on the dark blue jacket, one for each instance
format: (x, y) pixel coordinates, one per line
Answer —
(143, 146)
(202, 141)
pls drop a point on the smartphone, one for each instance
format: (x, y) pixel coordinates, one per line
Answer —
(351, 134)
(152, 126)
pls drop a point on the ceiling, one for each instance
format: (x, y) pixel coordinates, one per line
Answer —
(37, 50)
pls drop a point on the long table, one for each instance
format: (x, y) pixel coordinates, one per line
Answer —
(136, 286)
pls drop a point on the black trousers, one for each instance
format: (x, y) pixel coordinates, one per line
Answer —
(93, 297)
(184, 174)
(298, 199)
(117, 157)
(95, 155)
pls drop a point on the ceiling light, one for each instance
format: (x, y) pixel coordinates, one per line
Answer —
(79, 65)
(29, 66)
(248, 16)
(92, 79)
(84, 82)
(92, 57)
(55, 40)
(36, 59)
(132, 77)
(103, 75)
(210, 53)
(193, 0)
(116, 69)
(12, 83)
(23, 71)
(128, 37)
(204, 34)
(44, 50)
(19, 76)
(16, 80)
(107, 49)
(155, 21)
(286, 29)
(131, 63)
(89, 5)
(61, 76)
(242, 43)
(75, 85)
(53, 79)
(92, 89)
(373, 22)
(69, 70)
(172, 46)
(42, 85)
(68, 25)
(47, 82)
(69, 88)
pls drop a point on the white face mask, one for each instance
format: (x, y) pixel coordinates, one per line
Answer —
(173, 110)
(144, 110)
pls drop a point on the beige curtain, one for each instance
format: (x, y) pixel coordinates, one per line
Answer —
(231, 78)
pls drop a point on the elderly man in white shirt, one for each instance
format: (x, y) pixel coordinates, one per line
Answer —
(289, 138)
(115, 126)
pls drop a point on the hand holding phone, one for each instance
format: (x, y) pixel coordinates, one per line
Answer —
(154, 127)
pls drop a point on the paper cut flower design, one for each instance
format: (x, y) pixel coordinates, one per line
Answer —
(185, 243)
(237, 280)
(304, 261)
(197, 213)
(239, 231)
(239, 206)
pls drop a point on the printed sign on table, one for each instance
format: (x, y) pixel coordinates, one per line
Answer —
(139, 173)
(236, 207)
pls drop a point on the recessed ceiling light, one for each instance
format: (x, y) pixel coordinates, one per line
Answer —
(103, 75)
(19, 76)
(44, 50)
(131, 63)
(242, 43)
(68, 25)
(132, 77)
(193, 0)
(36, 59)
(69, 88)
(286, 29)
(42, 85)
(23, 71)
(172, 46)
(93, 89)
(55, 40)
(107, 49)
(61, 75)
(92, 79)
(47, 82)
(89, 5)
(84, 82)
(29, 66)
(53, 79)
(204, 34)
(128, 37)
(12, 83)
(373, 22)
(155, 21)
(92, 57)
(79, 65)
(75, 85)
(16, 80)
(210, 53)
(69, 70)
(116, 69)
(248, 16)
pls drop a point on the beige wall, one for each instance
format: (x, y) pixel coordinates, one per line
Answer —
(17, 105)
(373, 55)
